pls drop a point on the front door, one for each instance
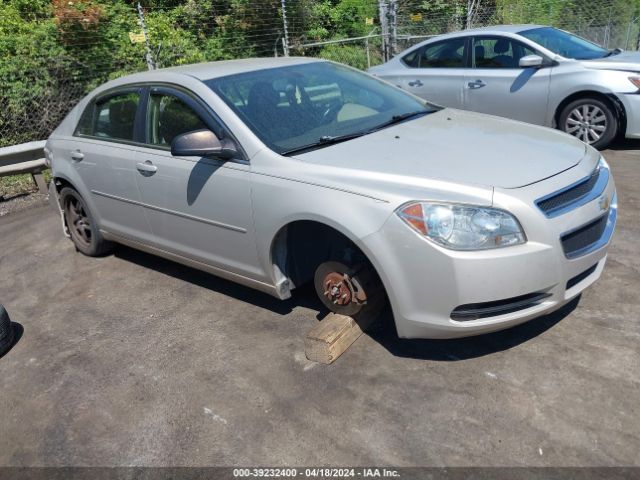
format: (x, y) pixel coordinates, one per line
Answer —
(497, 85)
(199, 208)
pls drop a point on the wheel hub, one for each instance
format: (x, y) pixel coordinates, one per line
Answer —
(338, 288)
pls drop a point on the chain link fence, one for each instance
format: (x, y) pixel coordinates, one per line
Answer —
(53, 55)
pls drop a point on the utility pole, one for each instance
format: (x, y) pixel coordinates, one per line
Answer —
(285, 39)
(393, 17)
(383, 11)
(151, 64)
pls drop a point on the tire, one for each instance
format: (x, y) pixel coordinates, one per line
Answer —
(83, 229)
(360, 279)
(6, 331)
(590, 119)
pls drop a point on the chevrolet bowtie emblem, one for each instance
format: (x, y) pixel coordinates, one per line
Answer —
(604, 203)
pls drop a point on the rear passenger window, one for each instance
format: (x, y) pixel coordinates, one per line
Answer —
(168, 117)
(445, 54)
(113, 118)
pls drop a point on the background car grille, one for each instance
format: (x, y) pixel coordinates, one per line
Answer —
(575, 242)
(562, 199)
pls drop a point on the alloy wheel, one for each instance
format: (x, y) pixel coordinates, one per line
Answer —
(78, 221)
(587, 122)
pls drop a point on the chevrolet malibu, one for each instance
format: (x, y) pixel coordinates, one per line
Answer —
(274, 173)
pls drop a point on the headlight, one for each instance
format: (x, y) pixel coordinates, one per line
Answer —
(463, 227)
(635, 81)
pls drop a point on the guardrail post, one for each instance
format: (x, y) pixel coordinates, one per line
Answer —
(39, 180)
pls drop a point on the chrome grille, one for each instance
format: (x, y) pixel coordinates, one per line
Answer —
(569, 196)
(576, 195)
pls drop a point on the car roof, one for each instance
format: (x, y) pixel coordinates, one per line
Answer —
(493, 29)
(506, 28)
(209, 70)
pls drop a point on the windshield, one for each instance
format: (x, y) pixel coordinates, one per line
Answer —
(565, 44)
(314, 104)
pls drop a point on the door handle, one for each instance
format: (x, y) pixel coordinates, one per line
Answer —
(146, 167)
(475, 85)
(77, 155)
(415, 83)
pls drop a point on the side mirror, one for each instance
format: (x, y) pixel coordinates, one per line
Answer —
(202, 143)
(531, 61)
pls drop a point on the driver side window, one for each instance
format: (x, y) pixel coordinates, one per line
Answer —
(498, 52)
(168, 117)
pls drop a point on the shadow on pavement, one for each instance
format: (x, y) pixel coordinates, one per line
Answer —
(303, 297)
(470, 347)
(622, 145)
(384, 332)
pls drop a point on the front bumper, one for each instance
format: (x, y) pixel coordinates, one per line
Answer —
(631, 103)
(427, 283)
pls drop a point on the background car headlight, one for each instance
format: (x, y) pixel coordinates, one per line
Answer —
(635, 81)
(463, 227)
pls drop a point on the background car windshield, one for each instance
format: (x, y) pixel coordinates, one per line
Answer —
(565, 44)
(289, 108)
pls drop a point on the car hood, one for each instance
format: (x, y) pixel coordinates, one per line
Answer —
(626, 61)
(460, 147)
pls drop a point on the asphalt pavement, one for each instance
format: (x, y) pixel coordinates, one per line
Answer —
(135, 360)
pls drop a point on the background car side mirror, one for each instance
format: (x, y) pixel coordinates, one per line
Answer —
(202, 143)
(531, 61)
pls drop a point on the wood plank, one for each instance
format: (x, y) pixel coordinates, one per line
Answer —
(332, 337)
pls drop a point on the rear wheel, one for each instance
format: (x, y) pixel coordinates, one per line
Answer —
(352, 290)
(591, 120)
(83, 230)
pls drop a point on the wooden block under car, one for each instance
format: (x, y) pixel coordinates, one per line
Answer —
(332, 336)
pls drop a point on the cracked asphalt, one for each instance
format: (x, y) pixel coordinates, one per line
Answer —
(135, 360)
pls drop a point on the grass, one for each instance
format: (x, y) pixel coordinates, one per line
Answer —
(19, 184)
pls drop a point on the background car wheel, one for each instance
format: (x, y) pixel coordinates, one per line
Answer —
(355, 291)
(592, 120)
(82, 227)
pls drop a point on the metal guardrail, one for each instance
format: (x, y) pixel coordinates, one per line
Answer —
(25, 158)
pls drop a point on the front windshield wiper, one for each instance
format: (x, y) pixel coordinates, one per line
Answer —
(400, 118)
(327, 140)
(613, 52)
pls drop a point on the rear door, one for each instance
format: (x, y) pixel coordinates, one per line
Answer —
(103, 152)
(436, 72)
(499, 86)
(199, 208)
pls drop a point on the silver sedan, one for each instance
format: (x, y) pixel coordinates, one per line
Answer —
(531, 73)
(279, 172)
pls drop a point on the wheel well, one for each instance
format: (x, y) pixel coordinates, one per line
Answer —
(301, 246)
(611, 99)
(60, 183)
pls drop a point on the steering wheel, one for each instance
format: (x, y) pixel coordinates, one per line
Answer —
(331, 113)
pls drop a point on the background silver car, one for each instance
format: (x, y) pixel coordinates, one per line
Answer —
(279, 172)
(531, 73)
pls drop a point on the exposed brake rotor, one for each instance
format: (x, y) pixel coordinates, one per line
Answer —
(341, 289)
